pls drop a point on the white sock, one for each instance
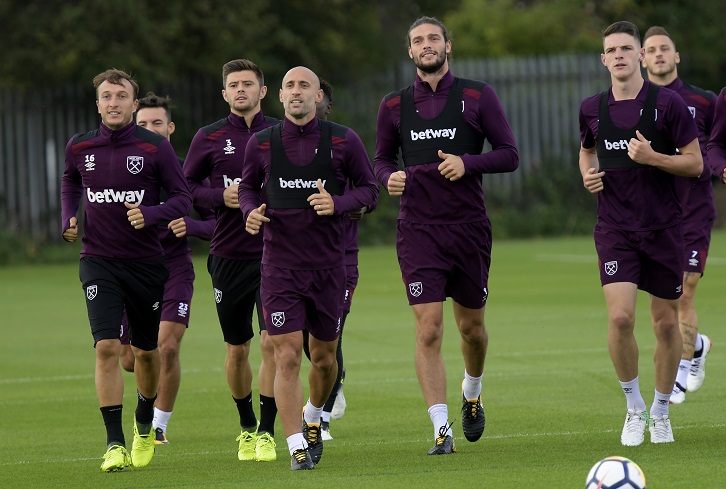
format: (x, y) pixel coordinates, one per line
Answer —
(660, 404)
(296, 442)
(632, 394)
(699, 343)
(471, 386)
(161, 419)
(326, 416)
(683, 368)
(312, 414)
(439, 414)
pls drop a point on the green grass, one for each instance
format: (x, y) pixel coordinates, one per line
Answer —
(553, 403)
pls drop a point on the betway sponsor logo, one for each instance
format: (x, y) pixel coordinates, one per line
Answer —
(110, 195)
(228, 182)
(622, 144)
(433, 134)
(299, 183)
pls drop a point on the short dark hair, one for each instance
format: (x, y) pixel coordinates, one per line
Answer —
(426, 20)
(116, 77)
(152, 100)
(241, 65)
(622, 27)
(657, 30)
(327, 89)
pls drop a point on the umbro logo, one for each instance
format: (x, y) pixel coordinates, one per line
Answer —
(229, 149)
(90, 166)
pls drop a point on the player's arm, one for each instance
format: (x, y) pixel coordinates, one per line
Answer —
(71, 191)
(687, 163)
(357, 168)
(253, 176)
(503, 157)
(591, 178)
(197, 169)
(716, 147)
(199, 228)
(388, 142)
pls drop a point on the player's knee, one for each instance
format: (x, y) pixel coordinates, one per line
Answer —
(169, 351)
(108, 349)
(622, 321)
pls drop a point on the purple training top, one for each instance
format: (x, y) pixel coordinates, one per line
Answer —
(428, 197)
(217, 153)
(289, 242)
(112, 167)
(717, 142)
(628, 201)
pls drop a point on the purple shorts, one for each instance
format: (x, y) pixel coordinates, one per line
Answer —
(696, 242)
(445, 260)
(294, 300)
(178, 291)
(653, 260)
(351, 281)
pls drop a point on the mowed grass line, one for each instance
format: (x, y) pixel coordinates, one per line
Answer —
(552, 401)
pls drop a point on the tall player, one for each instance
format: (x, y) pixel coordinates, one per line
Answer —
(629, 135)
(120, 168)
(443, 233)
(699, 212)
(217, 154)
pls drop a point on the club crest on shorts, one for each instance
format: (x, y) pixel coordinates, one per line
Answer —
(134, 164)
(91, 292)
(217, 295)
(611, 267)
(415, 288)
(277, 318)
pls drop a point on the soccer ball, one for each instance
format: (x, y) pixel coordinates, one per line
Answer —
(615, 473)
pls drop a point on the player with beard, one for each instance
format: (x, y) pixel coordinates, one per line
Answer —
(699, 212)
(217, 153)
(629, 137)
(443, 233)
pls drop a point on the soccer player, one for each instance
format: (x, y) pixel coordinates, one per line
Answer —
(443, 233)
(154, 114)
(120, 169)
(304, 163)
(697, 207)
(217, 154)
(629, 135)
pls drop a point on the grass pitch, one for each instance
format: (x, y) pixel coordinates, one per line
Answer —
(553, 404)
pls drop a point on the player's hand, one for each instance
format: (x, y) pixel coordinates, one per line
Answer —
(231, 196)
(255, 220)
(452, 168)
(639, 149)
(593, 180)
(397, 183)
(135, 217)
(357, 214)
(71, 234)
(178, 227)
(322, 202)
